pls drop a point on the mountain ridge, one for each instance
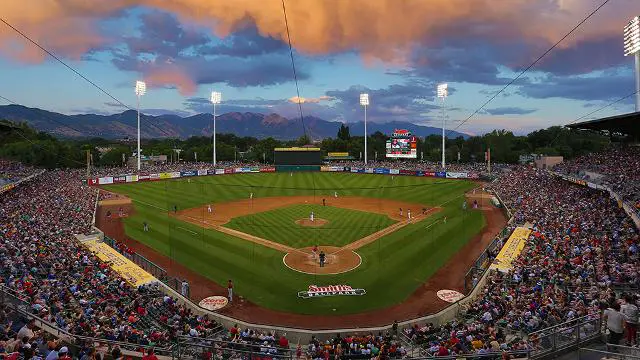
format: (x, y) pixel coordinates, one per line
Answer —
(257, 125)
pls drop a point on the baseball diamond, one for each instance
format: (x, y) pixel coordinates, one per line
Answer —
(257, 233)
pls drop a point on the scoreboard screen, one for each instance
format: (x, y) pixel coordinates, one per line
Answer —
(402, 145)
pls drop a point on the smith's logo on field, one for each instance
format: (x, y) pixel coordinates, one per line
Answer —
(331, 290)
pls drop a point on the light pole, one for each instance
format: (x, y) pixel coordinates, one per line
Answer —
(364, 101)
(632, 47)
(141, 89)
(442, 92)
(216, 97)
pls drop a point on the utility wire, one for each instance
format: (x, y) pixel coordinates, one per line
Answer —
(293, 66)
(101, 89)
(531, 65)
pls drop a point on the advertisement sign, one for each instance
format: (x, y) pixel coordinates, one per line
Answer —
(330, 290)
(347, 169)
(131, 178)
(188, 173)
(456, 175)
(449, 296)
(325, 168)
(419, 173)
(213, 303)
(441, 174)
(7, 187)
(105, 180)
(93, 181)
(175, 174)
(402, 144)
(165, 175)
(381, 171)
(202, 172)
(144, 177)
(269, 169)
(219, 171)
(511, 249)
(429, 173)
(473, 175)
(120, 179)
(394, 171)
(154, 177)
(132, 273)
(368, 170)
(228, 171)
(406, 172)
(354, 170)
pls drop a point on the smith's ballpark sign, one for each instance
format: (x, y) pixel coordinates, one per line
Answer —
(331, 290)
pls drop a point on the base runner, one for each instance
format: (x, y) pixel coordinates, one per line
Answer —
(315, 251)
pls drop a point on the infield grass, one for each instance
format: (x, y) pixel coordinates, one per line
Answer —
(392, 268)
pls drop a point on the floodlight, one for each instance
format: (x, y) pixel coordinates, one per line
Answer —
(141, 88)
(364, 99)
(632, 37)
(442, 90)
(216, 97)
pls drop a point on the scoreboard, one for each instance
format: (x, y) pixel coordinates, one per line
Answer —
(402, 144)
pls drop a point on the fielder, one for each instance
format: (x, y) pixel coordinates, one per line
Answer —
(409, 214)
(251, 196)
(311, 216)
(335, 194)
(209, 209)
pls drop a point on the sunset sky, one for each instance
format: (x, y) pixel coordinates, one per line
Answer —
(396, 50)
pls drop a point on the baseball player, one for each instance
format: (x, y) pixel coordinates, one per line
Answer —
(401, 213)
(315, 251)
(409, 214)
(335, 194)
(230, 290)
(251, 196)
(209, 209)
(322, 258)
(311, 216)
(324, 202)
(145, 226)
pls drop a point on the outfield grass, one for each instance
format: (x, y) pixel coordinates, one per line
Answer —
(344, 227)
(393, 266)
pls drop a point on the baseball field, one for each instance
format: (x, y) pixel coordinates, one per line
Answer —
(256, 230)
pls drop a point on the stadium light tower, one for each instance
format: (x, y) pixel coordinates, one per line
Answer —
(632, 47)
(141, 89)
(364, 101)
(216, 97)
(442, 92)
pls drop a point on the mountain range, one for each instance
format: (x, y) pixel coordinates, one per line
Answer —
(257, 125)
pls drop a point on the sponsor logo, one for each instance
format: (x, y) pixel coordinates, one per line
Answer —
(213, 303)
(449, 296)
(330, 290)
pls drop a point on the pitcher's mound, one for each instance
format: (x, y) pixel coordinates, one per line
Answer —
(317, 222)
(337, 260)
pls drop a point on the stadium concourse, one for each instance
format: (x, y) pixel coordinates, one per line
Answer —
(582, 247)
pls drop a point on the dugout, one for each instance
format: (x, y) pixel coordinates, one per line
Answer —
(297, 156)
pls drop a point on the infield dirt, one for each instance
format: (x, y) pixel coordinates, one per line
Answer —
(422, 302)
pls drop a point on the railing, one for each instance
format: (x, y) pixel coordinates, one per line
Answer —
(566, 336)
(192, 347)
(586, 353)
(482, 263)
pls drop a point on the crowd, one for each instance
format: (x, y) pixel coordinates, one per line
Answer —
(64, 284)
(421, 165)
(616, 168)
(154, 168)
(581, 246)
(356, 347)
(12, 171)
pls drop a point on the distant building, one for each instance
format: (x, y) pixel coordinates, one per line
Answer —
(526, 159)
(547, 162)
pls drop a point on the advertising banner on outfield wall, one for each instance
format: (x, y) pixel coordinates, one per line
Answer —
(347, 169)
(132, 178)
(419, 173)
(154, 177)
(202, 172)
(456, 175)
(429, 173)
(473, 175)
(93, 181)
(229, 171)
(120, 179)
(368, 171)
(381, 171)
(268, 169)
(165, 175)
(441, 174)
(407, 172)
(188, 173)
(394, 171)
(175, 174)
(105, 180)
(325, 168)
(219, 171)
(144, 177)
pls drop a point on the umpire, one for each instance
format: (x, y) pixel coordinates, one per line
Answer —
(322, 257)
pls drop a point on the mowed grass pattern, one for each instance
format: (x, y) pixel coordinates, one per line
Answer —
(344, 226)
(393, 266)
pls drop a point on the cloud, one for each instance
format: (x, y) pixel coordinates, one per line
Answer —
(509, 111)
(595, 87)
(304, 100)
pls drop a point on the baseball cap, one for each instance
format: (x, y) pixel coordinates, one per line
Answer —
(63, 350)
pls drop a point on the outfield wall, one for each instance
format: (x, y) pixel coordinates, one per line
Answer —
(119, 179)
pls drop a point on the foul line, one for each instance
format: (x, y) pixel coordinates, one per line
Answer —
(191, 231)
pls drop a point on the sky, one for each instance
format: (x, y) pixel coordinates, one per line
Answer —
(397, 51)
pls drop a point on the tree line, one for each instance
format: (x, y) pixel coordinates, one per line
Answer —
(41, 149)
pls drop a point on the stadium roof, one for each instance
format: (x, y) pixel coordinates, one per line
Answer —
(627, 124)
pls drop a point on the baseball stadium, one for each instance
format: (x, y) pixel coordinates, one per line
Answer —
(415, 203)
